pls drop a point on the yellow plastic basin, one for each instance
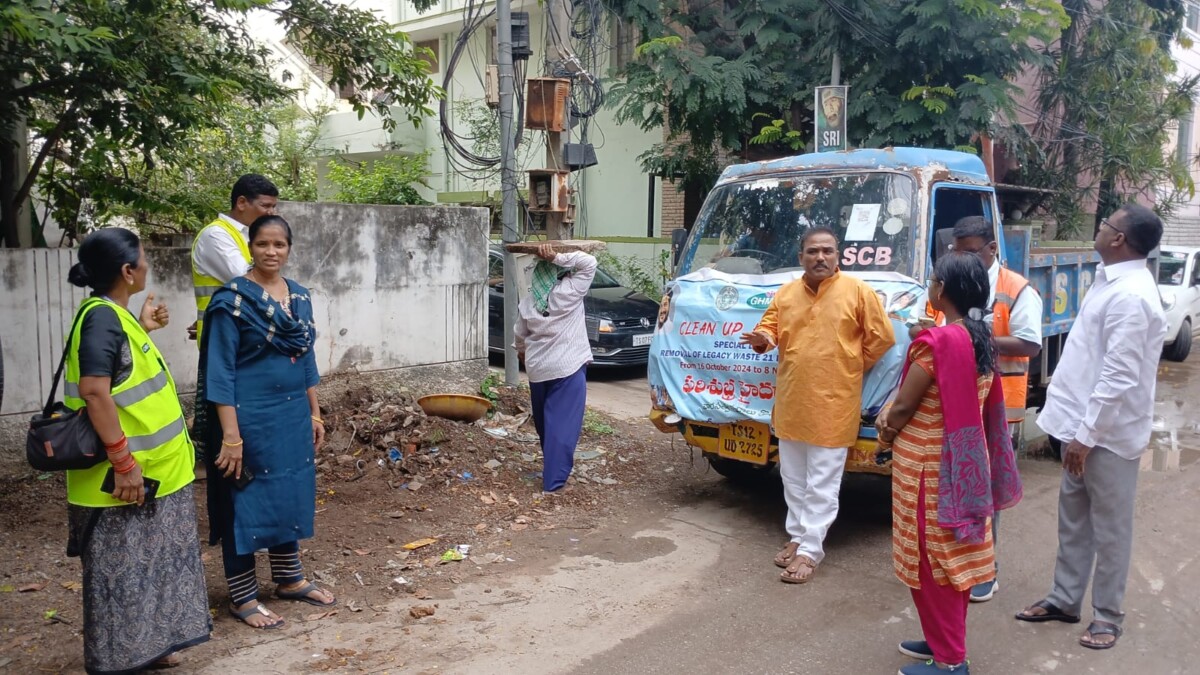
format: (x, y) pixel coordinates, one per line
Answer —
(457, 407)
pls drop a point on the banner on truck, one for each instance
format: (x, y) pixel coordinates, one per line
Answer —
(699, 368)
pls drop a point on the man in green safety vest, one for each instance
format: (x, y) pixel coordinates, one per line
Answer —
(220, 251)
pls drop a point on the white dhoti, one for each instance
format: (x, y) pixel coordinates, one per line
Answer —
(812, 477)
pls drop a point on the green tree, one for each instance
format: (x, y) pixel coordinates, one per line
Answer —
(921, 72)
(101, 83)
(190, 183)
(1108, 94)
(388, 180)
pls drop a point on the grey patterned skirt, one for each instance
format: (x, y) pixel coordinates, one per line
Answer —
(143, 582)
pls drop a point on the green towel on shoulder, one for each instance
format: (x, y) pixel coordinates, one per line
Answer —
(545, 275)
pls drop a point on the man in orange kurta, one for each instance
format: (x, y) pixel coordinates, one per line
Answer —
(830, 329)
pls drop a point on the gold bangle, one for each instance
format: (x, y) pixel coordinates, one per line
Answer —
(232, 445)
(318, 420)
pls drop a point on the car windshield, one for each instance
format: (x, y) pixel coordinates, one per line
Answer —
(1171, 267)
(604, 280)
(754, 227)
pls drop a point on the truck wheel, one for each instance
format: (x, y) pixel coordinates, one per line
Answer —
(743, 473)
(1178, 350)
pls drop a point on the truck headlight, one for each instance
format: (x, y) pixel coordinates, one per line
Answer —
(1168, 300)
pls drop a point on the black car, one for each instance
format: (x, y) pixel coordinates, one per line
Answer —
(620, 321)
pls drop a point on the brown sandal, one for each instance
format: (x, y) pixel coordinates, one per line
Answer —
(787, 555)
(793, 575)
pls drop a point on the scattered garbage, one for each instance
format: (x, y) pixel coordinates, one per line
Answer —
(395, 455)
(466, 476)
(452, 555)
(420, 543)
(422, 611)
(464, 549)
(493, 464)
(585, 455)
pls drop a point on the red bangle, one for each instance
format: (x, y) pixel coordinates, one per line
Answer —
(124, 466)
(116, 445)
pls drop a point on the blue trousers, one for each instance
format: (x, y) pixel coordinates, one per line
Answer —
(558, 415)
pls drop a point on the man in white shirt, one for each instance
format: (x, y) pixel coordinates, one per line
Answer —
(221, 251)
(552, 336)
(1017, 326)
(1101, 406)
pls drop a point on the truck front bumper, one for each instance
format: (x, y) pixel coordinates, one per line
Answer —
(704, 435)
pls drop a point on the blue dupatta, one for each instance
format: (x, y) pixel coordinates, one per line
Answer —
(252, 305)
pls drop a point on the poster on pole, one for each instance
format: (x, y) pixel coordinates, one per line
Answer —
(831, 118)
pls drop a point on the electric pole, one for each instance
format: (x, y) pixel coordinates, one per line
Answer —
(508, 186)
(559, 56)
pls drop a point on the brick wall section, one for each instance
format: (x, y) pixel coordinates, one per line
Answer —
(1182, 232)
(672, 208)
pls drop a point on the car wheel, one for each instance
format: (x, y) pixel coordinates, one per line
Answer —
(742, 473)
(1178, 350)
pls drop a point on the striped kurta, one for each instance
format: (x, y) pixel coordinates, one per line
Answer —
(917, 456)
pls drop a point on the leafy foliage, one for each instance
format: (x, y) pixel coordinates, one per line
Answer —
(191, 183)
(921, 72)
(643, 275)
(112, 89)
(388, 180)
(1108, 96)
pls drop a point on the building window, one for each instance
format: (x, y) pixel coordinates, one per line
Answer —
(1193, 17)
(624, 40)
(432, 46)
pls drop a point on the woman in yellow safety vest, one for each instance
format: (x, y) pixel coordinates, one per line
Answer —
(135, 531)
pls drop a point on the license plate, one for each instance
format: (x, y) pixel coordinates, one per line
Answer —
(642, 340)
(745, 441)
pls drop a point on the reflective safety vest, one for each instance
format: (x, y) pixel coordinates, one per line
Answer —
(1014, 370)
(203, 285)
(148, 410)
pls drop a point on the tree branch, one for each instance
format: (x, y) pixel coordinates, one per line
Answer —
(50, 140)
(38, 87)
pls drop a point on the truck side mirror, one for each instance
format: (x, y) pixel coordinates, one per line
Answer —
(678, 239)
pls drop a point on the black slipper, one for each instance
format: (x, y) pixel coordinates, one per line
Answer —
(1053, 613)
(243, 614)
(302, 594)
(1102, 628)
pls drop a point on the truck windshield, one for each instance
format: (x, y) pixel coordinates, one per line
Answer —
(1171, 267)
(754, 227)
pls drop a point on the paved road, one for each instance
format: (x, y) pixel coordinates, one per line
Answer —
(620, 392)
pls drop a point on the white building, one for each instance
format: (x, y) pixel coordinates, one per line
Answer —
(614, 198)
(1184, 227)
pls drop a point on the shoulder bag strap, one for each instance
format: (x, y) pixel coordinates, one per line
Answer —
(62, 363)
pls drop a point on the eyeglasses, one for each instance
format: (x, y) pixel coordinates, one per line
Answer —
(1104, 223)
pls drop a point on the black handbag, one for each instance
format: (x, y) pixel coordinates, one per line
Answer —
(60, 438)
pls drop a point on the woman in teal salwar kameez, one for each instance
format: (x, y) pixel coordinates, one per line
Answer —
(258, 378)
